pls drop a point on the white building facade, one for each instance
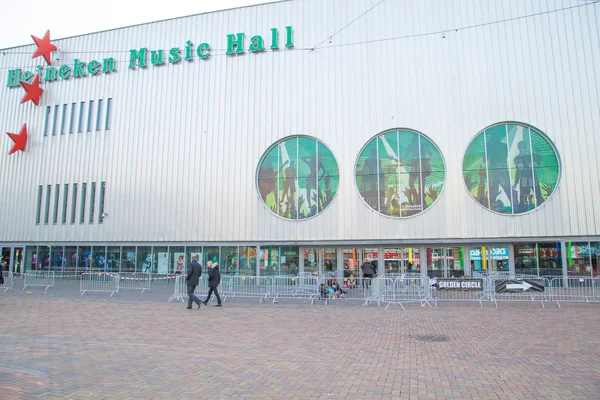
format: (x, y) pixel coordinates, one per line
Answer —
(301, 136)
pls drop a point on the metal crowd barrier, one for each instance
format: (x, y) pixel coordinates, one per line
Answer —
(255, 287)
(135, 280)
(466, 289)
(399, 291)
(201, 291)
(99, 282)
(574, 289)
(38, 278)
(8, 281)
(180, 289)
(518, 288)
(302, 287)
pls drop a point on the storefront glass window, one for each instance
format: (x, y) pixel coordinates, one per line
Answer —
(70, 261)
(128, 259)
(178, 261)
(56, 258)
(289, 260)
(373, 256)
(310, 261)
(511, 168)
(247, 263)
(84, 258)
(269, 261)
(329, 260)
(400, 173)
(578, 259)
(550, 259)
(526, 258)
(144, 259)
(160, 260)
(212, 254)
(595, 249)
(191, 252)
(99, 258)
(351, 263)
(230, 261)
(113, 258)
(31, 258)
(298, 177)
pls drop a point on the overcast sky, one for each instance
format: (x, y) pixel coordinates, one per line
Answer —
(67, 18)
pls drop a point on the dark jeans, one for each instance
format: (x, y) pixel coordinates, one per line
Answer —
(367, 280)
(191, 296)
(210, 292)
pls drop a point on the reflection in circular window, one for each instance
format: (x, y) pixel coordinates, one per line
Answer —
(400, 173)
(511, 168)
(298, 177)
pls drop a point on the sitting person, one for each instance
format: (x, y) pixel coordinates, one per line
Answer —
(323, 291)
(351, 282)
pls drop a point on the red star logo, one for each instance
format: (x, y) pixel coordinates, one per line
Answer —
(20, 140)
(33, 89)
(45, 48)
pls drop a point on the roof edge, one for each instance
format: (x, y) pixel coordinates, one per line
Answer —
(154, 22)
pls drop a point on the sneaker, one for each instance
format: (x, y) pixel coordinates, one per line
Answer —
(218, 305)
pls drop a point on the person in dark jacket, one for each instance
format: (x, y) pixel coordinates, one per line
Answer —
(214, 278)
(194, 273)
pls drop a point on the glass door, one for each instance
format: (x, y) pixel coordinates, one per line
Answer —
(5, 259)
(320, 261)
(18, 260)
(489, 260)
(446, 262)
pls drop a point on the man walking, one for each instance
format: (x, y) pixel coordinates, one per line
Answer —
(214, 278)
(193, 277)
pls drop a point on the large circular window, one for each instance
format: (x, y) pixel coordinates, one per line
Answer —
(511, 168)
(400, 173)
(298, 177)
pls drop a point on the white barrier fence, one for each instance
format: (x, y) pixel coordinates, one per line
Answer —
(8, 281)
(135, 281)
(574, 289)
(38, 278)
(253, 287)
(201, 290)
(99, 282)
(461, 290)
(294, 287)
(399, 290)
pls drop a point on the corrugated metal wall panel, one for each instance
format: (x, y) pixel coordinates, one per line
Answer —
(180, 158)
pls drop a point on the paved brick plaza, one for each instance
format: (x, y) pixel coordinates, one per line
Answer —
(57, 345)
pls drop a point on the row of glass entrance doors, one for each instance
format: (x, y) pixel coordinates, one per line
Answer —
(446, 262)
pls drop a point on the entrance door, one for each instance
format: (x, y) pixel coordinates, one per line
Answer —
(355, 257)
(5, 258)
(17, 259)
(320, 261)
(401, 260)
(489, 260)
(445, 262)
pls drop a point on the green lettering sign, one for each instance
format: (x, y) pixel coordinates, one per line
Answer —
(78, 68)
(174, 55)
(137, 56)
(13, 77)
(257, 44)
(93, 67)
(26, 77)
(203, 51)
(235, 41)
(64, 72)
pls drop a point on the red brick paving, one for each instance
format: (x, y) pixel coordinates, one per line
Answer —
(53, 347)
